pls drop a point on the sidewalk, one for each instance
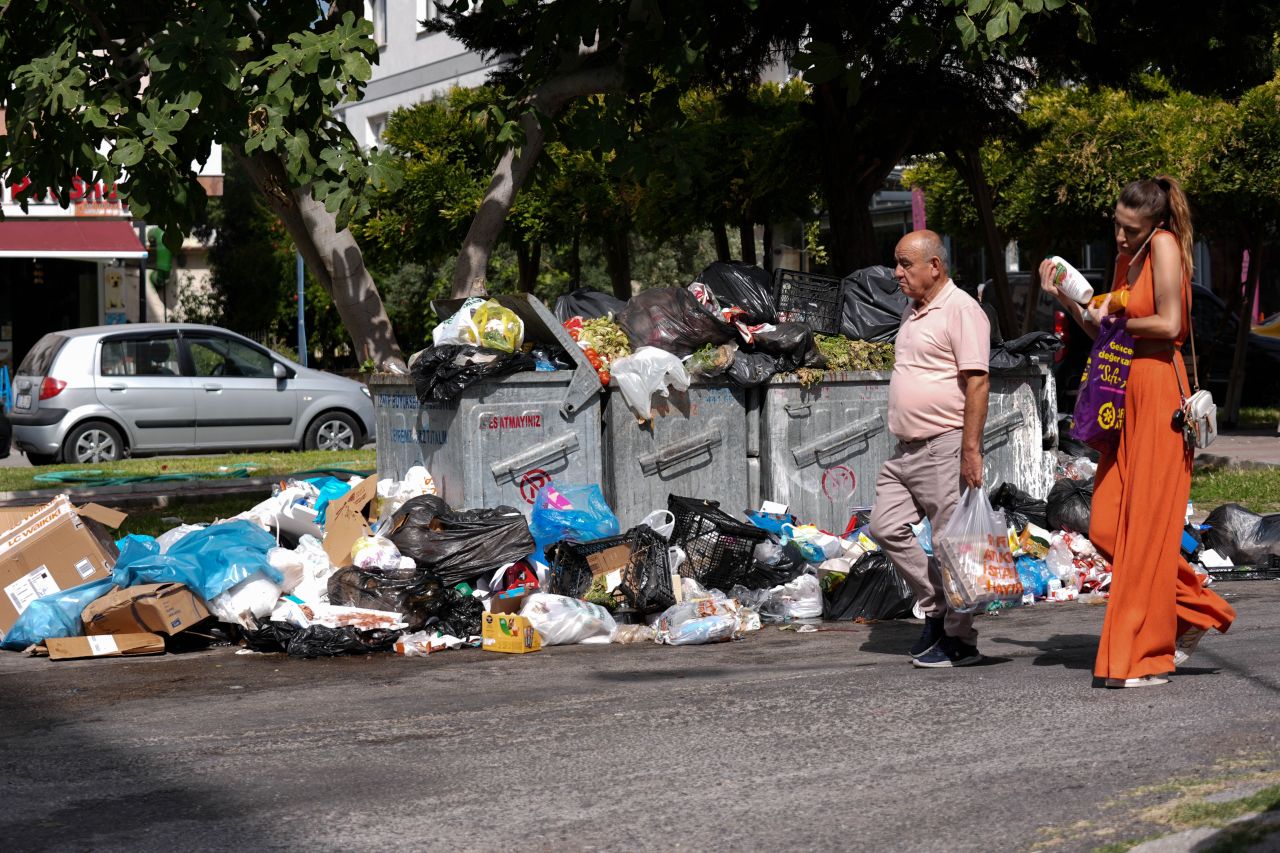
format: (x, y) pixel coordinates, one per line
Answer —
(1245, 448)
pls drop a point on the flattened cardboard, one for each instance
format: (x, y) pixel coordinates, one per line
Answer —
(609, 560)
(111, 645)
(156, 608)
(56, 547)
(504, 632)
(345, 521)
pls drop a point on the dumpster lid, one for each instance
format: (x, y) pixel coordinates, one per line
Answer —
(541, 326)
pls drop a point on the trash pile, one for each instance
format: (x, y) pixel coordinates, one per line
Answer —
(736, 322)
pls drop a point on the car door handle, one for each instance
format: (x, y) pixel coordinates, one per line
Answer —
(117, 386)
(212, 388)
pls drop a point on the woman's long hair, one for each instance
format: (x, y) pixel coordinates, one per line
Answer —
(1163, 200)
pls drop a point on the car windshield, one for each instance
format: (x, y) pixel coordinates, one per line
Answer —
(215, 356)
(40, 358)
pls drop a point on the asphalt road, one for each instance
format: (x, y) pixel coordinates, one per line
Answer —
(781, 741)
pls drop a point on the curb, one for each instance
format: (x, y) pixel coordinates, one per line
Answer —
(147, 493)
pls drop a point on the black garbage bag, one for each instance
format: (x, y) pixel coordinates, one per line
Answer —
(751, 369)
(872, 305)
(672, 319)
(1019, 507)
(553, 355)
(1068, 506)
(318, 641)
(442, 373)
(792, 345)
(458, 614)
(1014, 354)
(588, 304)
(1069, 445)
(787, 566)
(415, 594)
(459, 546)
(743, 285)
(873, 591)
(1243, 537)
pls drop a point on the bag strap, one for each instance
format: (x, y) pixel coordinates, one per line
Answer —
(1191, 328)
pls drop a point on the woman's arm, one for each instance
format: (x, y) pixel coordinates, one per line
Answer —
(1166, 269)
(1070, 306)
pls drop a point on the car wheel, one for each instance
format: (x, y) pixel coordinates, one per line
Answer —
(332, 431)
(42, 458)
(94, 441)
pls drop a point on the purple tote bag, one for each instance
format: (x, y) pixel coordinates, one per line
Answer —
(1099, 413)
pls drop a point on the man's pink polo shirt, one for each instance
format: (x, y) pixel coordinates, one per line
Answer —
(926, 393)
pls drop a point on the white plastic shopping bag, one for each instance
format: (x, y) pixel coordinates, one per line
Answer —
(974, 557)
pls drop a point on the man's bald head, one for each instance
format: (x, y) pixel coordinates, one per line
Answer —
(922, 265)
(928, 245)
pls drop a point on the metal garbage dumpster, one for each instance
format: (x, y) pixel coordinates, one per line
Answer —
(501, 439)
(704, 441)
(823, 445)
(1014, 438)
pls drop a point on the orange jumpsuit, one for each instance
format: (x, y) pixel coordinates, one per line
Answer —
(1139, 503)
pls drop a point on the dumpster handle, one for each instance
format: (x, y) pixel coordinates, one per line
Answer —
(1003, 424)
(652, 463)
(515, 466)
(809, 453)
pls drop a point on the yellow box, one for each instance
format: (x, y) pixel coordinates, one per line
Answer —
(507, 632)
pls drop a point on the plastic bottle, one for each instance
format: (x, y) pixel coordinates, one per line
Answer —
(1069, 280)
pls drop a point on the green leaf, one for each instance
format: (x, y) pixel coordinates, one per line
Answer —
(1050, 5)
(968, 31)
(1033, 7)
(998, 25)
(128, 152)
(1015, 15)
(977, 7)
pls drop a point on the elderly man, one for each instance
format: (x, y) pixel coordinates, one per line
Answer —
(937, 410)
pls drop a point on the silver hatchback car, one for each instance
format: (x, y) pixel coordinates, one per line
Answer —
(98, 394)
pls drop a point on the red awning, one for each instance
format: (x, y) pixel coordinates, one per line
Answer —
(85, 239)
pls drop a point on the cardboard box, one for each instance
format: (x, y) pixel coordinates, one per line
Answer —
(504, 632)
(345, 521)
(110, 645)
(155, 608)
(55, 547)
(511, 600)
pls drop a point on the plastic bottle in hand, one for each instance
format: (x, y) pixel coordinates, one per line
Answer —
(1069, 280)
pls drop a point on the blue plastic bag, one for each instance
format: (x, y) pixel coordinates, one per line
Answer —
(208, 561)
(579, 513)
(55, 615)
(331, 488)
(1034, 574)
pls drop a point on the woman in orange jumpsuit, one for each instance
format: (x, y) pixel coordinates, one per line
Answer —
(1158, 609)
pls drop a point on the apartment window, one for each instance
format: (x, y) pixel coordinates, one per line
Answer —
(377, 126)
(424, 10)
(376, 12)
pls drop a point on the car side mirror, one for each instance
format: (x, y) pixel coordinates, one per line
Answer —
(279, 370)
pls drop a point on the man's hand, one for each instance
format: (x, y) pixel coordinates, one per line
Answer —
(971, 468)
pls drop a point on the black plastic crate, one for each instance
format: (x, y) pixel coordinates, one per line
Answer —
(719, 549)
(646, 580)
(804, 297)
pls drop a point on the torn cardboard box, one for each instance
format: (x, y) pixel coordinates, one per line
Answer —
(156, 608)
(110, 645)
(55, 547)
(345, 521)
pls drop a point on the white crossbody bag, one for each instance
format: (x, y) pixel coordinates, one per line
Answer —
(1198, 416)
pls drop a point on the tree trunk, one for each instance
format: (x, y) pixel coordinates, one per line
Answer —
(1029, 311)
(1235, 386)
(768, 247)
(969, 165)
(333, 257)
(575, 262)
(617, 260)
(747, 235)
(528, 259)
(721, 237)
(471, 270)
